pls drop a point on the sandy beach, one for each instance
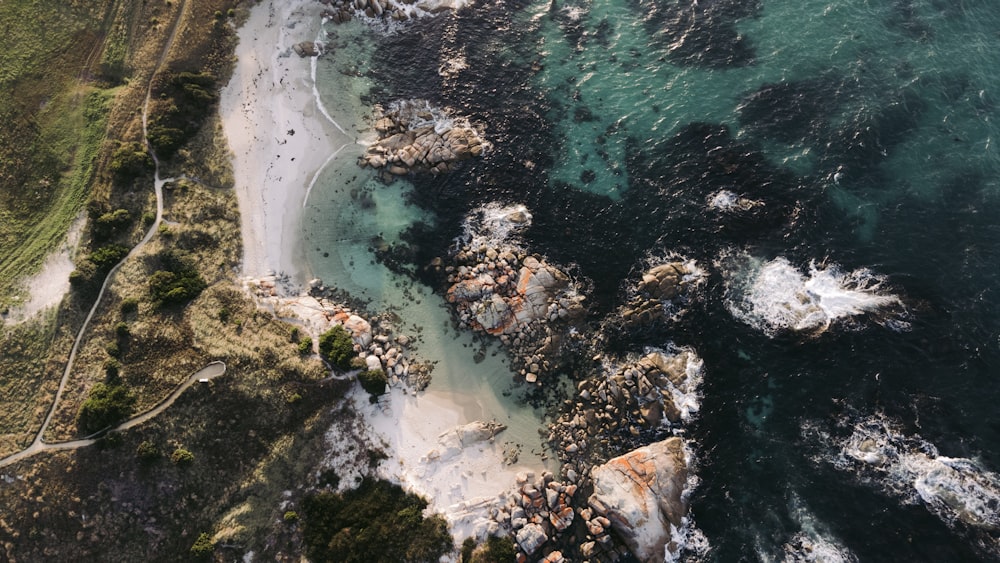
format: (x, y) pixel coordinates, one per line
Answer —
(277, 132)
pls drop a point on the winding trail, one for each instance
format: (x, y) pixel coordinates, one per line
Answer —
(207, 373)
(210, 371)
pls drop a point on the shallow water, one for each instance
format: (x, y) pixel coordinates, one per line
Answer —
(864, 131)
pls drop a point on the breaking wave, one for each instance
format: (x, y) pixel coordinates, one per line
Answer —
(775, 296)
(959, 491)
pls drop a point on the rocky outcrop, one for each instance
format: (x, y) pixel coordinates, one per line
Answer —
(452, 442)
(500, 289)
(307, 49)
(633, 402)
(537, 514)
(663, 292)
(376, 338)
(641, 495)
(415, 137)
(340, 11)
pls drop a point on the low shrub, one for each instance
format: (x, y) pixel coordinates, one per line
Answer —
(337, 347)
(107, 405)
(378, 521)
(180, 456)
(374, 381)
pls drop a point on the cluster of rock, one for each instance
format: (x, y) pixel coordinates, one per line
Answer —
(515, 296)
(663, 291)
(638, 500)
(630, 404)
(413, 137)
(340, 11)
(375, 338)
(537, 515)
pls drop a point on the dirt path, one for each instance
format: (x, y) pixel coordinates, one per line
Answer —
(207, 373)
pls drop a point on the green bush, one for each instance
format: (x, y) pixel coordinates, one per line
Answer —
(468, 546)
(495, 550)
(291, 517)
(83, 279)
(180, 456)
(177, 282)
(111, 224)
(378, 521)
(305, 346)
(129, 305)
(106, 257)
(373, 381)
(147, 451)
(203, 546)
(112, 370)
(337, 348)
(121, 330)
(107, 405)
(130, 160)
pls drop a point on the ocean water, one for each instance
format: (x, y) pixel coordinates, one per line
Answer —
(850, 324)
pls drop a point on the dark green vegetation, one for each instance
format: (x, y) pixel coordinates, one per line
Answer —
(493, 550)
(187, 98)
(373, 381)
(176, 281)
(337, 348)
(106, 406)
(377, 522)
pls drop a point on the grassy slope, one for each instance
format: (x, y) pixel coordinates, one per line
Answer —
(54, 124)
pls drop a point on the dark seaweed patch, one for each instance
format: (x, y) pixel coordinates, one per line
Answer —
(701, 33)
(789, 111)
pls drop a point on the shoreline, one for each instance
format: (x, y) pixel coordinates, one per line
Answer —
(274, 91)
(279, 135)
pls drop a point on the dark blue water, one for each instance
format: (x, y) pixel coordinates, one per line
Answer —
(866, 132)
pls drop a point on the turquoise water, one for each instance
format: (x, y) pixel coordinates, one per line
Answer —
(865, 130)
(350, 213)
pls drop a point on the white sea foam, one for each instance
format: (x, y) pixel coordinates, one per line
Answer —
(956, 490)
(687, 394)
(729, 201)
(494, 224)
(687, 542)
(776, 296)
(420, 113)
(815, 542)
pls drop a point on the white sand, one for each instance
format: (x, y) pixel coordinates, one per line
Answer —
(464, 487)
(278, 133)
(47, 288)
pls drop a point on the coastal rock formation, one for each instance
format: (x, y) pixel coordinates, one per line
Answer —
(631, 404)
(452, 442)
(501, 290)
(664, 291)
(537, 514)
(341, 11)
(375, 336)
(307, 49)
(415, 137)
(641, 494)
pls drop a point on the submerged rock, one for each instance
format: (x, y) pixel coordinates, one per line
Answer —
(641, 494)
